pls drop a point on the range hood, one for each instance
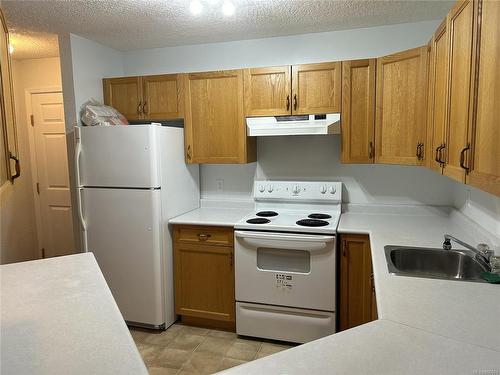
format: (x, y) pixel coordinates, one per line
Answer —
(293, 125)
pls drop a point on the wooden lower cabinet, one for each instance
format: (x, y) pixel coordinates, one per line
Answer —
(357, 303)
(204, 275)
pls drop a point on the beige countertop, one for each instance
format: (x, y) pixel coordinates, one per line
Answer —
(58, 317)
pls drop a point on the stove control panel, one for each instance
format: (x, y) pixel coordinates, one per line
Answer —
(298, 190)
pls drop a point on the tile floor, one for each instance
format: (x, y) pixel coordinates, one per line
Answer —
(184, 350)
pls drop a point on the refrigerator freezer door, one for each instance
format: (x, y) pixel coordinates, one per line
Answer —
(119, 156)
(124, 233)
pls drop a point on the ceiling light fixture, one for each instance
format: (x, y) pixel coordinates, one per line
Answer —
(196, 7)
(11, 49)
(228, 8)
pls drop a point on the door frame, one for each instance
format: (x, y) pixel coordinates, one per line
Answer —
(28, 93)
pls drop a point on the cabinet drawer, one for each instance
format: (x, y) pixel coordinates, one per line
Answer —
(204, 235)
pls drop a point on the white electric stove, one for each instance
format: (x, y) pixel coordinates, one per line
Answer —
(285, 261)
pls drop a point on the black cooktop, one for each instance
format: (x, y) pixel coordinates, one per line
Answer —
(319, 216)
(312, 223)
(258, 220)
(267, 213)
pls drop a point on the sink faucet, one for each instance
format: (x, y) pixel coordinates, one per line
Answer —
(482, 252)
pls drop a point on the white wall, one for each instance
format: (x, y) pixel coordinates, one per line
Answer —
(18, 225)
(296, 49)
(478, 205)
(84, 63)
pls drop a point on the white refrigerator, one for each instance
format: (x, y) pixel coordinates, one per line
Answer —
(131, 180)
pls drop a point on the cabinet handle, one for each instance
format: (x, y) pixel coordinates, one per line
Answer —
(287, 102)
(438, 156)
(139, 108)
(188, 153)
(294, 102)
(420, 151)
(145, 108)
(204, 236)
(344, 249)
(370, 150)
(462, 158)
(17, 167)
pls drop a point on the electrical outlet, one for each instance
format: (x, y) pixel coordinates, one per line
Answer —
(220, 185)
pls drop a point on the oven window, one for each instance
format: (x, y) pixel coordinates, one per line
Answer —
(269, 259)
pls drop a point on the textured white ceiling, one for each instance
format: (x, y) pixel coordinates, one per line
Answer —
(139, 24)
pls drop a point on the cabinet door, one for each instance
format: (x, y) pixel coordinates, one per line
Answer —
(215, 130)
(124, 94)
(438, 94)
(8, 129)
(316, 88)
(358, 111)
(461, 47)
(204, 282)
(485, 172)
(267, 91)
(400, 107)
(357, 292)
(162, 97)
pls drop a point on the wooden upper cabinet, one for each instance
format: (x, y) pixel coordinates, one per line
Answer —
(316, 88)
(214, 121)
(358, 111)
(437, 99)
(162, 97)
(157, 97)
(400, 107)
(485, 168)
(267, 91)
(124, 94)
(357, 288)
(460, 23)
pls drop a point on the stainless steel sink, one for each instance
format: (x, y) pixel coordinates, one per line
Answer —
(433, 263)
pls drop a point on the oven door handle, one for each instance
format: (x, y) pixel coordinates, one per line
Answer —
(285, 241)
(284, 236)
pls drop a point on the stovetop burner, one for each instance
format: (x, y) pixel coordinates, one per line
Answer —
(319, 216)
(266, 214)
(258, 220)
(312, 223)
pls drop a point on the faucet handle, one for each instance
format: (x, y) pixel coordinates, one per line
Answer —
(485, 250)
(446, 244)
(495, 264)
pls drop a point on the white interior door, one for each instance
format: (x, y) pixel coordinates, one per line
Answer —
(56, 220)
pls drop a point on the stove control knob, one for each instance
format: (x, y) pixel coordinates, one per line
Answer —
(262, 188)
(296, 189)
(322, 189)
(270, 188)
(332, 190)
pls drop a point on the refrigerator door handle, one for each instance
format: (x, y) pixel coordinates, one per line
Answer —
(83, 224)
(78, 152)
(79, 192)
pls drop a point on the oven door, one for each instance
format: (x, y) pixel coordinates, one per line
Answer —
(285, 269)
